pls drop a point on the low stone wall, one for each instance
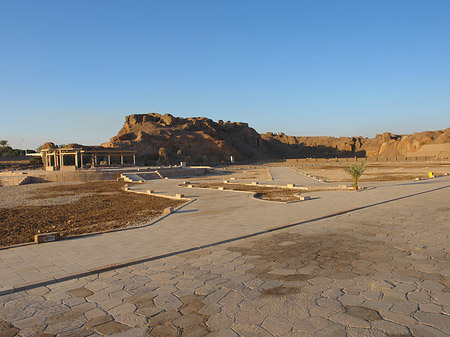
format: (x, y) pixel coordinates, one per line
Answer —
(369, 159)
(59, 176)
(181, 172)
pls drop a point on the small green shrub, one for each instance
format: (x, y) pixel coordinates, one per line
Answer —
(356, 171)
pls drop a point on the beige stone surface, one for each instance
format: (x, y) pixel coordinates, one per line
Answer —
(381, 270)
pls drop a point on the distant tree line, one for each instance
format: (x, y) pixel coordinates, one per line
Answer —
(8, 151)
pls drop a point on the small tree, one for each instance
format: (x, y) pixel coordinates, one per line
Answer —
(356, 171)
(3, 143)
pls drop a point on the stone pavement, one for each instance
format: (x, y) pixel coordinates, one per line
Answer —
(284, 175)
(379, 271)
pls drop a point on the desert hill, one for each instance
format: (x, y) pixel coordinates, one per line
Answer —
(383, 145)
(170, 139)
(199, 139)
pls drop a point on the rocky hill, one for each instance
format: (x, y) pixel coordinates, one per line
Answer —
(169, 139)
(383, 145)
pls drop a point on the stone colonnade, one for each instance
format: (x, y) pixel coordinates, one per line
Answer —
(54, 159)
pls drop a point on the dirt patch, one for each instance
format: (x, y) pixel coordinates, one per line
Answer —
(262, 192)
(334, 255)
(281, 291)
(102, 206)
(363, 313)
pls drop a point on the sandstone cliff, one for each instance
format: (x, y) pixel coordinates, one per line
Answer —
(383, 145)
(169, 139)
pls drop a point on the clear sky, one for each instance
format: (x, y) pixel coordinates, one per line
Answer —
(70, 71)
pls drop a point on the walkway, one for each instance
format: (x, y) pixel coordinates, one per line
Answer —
(381, 268)
(283, 175)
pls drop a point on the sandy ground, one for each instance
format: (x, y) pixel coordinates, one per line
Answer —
(397, 171)
(243, 172)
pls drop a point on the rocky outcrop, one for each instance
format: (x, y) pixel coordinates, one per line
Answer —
(170, 139)
(383, 145)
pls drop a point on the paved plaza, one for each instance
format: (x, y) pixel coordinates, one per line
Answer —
(345, 263)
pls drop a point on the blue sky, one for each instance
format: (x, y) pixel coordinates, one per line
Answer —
(70, 71)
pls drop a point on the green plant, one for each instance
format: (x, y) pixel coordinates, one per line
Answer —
(356, 171)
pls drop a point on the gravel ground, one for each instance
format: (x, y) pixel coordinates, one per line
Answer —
(14, 196)
(74, 208)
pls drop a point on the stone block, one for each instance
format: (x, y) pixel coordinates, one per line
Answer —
(290, 185)
(305, 197)
(179, 195)
(46, 237)
(221, 188)
(168, 210)
(417, 179)
(233, 178)
(186, 182)
(254, 183)
(190, 186)
(225, 181)
(150, 191)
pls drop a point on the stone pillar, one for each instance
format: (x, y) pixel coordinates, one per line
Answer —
(134, 159)
(109, 159)
(81, 155)
(121, 159)
(76, 159)
(55, 164)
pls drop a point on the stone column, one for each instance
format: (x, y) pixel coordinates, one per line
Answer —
(76, 159)
(81, 155)
(121, 159)
(134, 159)
(109, 159)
